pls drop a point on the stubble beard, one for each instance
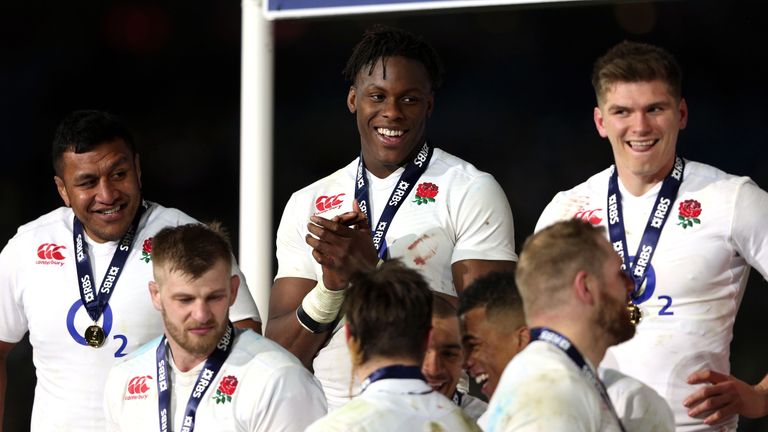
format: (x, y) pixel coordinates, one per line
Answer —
(198, 345)
(614, 321)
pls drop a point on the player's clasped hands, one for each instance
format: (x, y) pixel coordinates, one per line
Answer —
(342, 245)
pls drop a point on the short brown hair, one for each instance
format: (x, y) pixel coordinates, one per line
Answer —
(191, 249)
(636, 62)
(389, 312)
(551, 258)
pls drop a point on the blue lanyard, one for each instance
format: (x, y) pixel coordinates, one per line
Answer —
(457, 397)
(96, 301)
(556, 339)
(212, 366)
(638, 268)
(407, 181)
(394, 372)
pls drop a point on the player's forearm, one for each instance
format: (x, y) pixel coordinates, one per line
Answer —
(288, 332)
(762, 389)
(248, 324)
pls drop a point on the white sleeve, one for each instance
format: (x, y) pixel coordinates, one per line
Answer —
(13, 321)
(245, 306)
(748, 231)
(484, 225)
(290, 400)
(293, 256)
(640, 408)
(553, 212)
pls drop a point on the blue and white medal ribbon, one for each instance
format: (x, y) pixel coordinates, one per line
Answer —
(95, 301)
(638, 268)
(211, 368)
(413, 171)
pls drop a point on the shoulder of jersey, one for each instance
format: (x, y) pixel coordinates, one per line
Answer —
(140, 351)
(444, 161)
(699, 174)
(62, 216)
(166, 216)
(251, 347)
(343, 176)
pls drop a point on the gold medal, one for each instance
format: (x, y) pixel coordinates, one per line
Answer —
(94, 336)
(635, 316)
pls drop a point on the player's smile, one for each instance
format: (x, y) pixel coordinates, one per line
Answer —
(391, 105)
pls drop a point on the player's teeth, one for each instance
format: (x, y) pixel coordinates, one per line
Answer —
(481, 378)
(641, 143)
(111, 211)
(390, 132)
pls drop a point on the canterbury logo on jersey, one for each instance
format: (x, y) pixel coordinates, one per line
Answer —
(138, 387)
(324, 203)
(591, 216)
(50, 253)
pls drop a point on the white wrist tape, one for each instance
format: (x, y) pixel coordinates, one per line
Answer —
(322, 304)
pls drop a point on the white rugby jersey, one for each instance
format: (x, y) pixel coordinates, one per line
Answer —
(469, 218)
(542, 389)
(39, 293)
(390, 405)
(696, 278)
(638, 406)
(260, 387)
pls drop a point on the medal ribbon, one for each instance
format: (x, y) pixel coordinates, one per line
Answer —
(413, 170)
(211, 368)
(457, 397)
(556, 339)
(638, 268)
(96, 301)
(394, 372)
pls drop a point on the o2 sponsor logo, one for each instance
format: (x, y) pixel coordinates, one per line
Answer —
(325, 203)
(106, 325)
(645, 291)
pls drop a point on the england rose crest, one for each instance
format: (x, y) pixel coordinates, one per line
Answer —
(146, 250)
(227, 387)
(688, 213)
(426, 193)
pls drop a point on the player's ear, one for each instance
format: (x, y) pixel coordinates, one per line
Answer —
(154, 293)
(137, 164)
(523, 336)
(62, 189)
(584, 287)
(683, 111)
(351, 102)
(234, 284)
(597, 115)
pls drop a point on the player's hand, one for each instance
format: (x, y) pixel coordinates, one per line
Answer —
(340, 249)
(355, 218)
(725, 397)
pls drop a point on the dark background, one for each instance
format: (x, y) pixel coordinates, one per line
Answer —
(517, 103)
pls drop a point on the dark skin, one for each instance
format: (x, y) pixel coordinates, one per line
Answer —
(400, 102)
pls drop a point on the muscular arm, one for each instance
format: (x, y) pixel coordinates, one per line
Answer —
(248, 324)
(284, 328)
(5, 348)
(466, 271)
(341, 246)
